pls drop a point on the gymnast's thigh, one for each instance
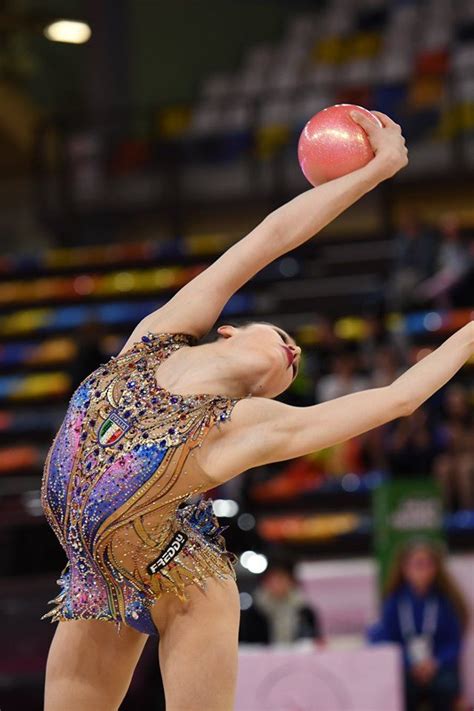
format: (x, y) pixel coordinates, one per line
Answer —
(198, 649)
(91, 664)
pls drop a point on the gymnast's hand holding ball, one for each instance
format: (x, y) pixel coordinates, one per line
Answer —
(346, 137)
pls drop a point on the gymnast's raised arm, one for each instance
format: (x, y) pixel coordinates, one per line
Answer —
(263, 430)
(196, 307)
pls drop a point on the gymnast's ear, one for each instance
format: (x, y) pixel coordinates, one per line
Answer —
(226, 331)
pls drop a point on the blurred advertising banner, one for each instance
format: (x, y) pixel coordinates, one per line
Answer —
(404, 510)
(359, 679)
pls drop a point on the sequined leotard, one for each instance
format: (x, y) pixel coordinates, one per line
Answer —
(123, 491)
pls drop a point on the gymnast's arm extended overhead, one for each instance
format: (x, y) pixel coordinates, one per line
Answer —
(262, 430)
(198, 304)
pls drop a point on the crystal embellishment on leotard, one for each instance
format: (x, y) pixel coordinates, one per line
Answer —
(114, 480)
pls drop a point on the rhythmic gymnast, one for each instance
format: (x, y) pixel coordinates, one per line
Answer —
(148, 432)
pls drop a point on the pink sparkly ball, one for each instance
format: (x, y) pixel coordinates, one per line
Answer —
(332, 144)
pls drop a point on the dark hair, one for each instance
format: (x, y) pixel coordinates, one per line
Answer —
(214, 336)
(284, 566)
(444, 581)
(251, 322)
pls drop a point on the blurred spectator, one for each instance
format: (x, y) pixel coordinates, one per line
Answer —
(453, 263)
(426, 614)
(385, 367)
(376, 336)
(415, 259)
(343, 378)
(89, 353)
(328, 344)
(412, 444)
(454, 465)
(452, 252)
(280, 614)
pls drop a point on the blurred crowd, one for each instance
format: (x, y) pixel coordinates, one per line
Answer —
(423, 611)
(433, 265)
(432, 268)
(436, 440)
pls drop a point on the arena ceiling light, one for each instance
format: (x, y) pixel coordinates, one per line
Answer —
(70, 31)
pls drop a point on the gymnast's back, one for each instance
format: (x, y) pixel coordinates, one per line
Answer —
(122, 490)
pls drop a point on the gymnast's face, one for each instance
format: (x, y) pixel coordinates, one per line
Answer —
(270, 355)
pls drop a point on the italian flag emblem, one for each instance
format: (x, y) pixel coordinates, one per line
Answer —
(112, 429)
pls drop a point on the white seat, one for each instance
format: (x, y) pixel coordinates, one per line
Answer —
(275, 111)
(323, 75)
(308, 104)
(302, 29)
(206, 118)
(394, 68)
(357, 71)
(463, 89)
(462, 58)
(216, 86)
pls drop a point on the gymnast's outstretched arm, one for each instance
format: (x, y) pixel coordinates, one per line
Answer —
(262, 430)
(196, 307)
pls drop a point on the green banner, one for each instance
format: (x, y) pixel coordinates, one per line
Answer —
(403, 510)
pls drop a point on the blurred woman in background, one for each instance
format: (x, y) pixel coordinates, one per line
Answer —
(424, 612)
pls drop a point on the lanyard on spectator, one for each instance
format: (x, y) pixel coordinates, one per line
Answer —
(407, 620)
